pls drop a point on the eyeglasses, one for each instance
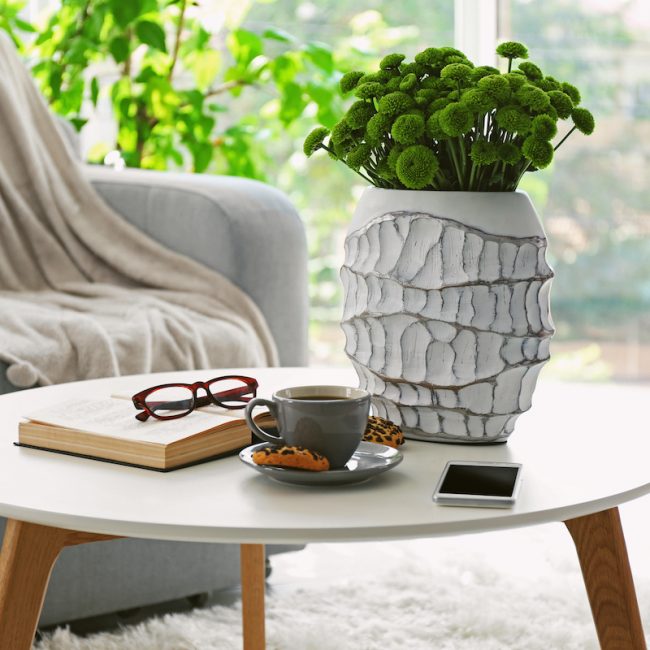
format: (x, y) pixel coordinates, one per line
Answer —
(177, 400)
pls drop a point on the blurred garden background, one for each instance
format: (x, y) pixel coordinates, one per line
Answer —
(232, 87)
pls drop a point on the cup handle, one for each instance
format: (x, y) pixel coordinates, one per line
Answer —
(248, 414)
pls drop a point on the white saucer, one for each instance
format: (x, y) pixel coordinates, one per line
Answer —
(369, 459)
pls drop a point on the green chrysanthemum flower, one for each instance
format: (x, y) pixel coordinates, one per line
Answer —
(391, 61)
(416, 167)
(509, 153)
(583, 120)
(408, 129)
(377, 128)
(409, 82)
(359, 156)
(495, 86)
(439, 104)
(456, 73)
(425, 96)
(456, 119)
(513, 119)
(532, 71)
(512, 50)
(417, 69)
(314, 141)
(434, 83)
(561, 102)
(393, 84)
(432, 56)
(538, 151)
(359, 113)
(482, 71)
(572, 92)
(341, 132)
(434, 130)
(478, 101)
(350, 80)
(516, 81)
(534, 98)
(548, 84)
(544, 127)
(341, 148)
(484, 152)
(393, 155)
(395, 103)
(452, 51)
(380, 77)
(450, 60)
(369, 90)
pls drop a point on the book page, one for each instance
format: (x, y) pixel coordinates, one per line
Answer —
(116, 418)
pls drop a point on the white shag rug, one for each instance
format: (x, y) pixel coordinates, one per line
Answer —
(519, 589)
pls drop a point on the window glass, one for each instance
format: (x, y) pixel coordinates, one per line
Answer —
(595, 198)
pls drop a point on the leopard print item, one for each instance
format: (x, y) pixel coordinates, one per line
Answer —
(291, 458)
(384, 432)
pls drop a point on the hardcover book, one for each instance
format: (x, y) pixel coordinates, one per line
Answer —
(106, 429)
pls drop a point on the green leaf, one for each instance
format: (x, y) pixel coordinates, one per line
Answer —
(284, 69)
(94, 91)
(126, 11)
(56, 78)
(244, 46)
(44, 36)
(205, 66)
(321, 55)
(201, 155)
(151, 34)
(119, 48)
(24, 25)
(78, 123)
(278, 35)
(292, 103)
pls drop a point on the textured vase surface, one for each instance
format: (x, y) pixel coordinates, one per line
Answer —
(446, 314)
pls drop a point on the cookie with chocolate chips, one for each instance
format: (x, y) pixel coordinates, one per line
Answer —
(383, 432)
(291, 458)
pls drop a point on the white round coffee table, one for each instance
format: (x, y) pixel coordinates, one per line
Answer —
(584, 450)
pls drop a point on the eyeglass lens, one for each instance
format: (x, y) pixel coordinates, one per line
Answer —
(231, 392)
(171, 401)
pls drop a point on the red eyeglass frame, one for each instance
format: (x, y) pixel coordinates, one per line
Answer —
(246, 393)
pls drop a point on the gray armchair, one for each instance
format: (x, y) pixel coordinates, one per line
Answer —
(249, 232)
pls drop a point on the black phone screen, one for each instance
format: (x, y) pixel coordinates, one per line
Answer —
(483, 480)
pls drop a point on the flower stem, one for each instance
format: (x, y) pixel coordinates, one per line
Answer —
(454, 156)
(555, 148)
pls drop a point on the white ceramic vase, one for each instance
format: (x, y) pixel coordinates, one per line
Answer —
(446, 314)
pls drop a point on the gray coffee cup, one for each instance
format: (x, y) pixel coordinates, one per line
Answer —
(327, 419)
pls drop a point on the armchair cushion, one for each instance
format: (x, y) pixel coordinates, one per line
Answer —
(241, 228)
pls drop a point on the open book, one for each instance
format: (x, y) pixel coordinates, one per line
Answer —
(106, 429)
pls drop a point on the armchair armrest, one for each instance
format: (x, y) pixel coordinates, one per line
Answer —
(244, 229)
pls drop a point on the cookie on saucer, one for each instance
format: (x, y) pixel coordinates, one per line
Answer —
(291, 458)
(383, 432)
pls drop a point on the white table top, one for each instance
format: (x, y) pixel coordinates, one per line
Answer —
(584, 448)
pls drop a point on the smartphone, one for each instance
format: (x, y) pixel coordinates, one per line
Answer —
(478, 483)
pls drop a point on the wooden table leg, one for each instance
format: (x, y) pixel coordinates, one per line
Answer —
(28, 555)
(253, 575)
(606, 571)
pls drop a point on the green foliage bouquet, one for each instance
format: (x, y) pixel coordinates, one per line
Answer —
(440, 123)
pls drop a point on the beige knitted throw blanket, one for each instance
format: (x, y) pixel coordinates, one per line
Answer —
(82, 292)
